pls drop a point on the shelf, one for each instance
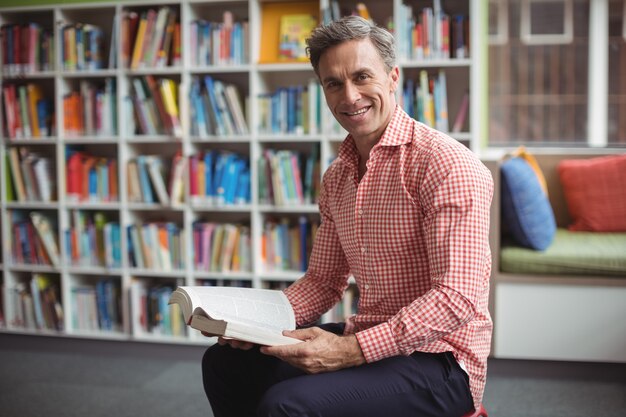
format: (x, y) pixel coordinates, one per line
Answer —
(254, 79)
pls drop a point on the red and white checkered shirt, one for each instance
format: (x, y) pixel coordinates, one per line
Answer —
(414, 234)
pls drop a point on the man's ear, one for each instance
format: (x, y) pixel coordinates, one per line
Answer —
(394, 76)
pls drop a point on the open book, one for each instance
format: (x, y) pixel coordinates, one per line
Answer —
(247, 314)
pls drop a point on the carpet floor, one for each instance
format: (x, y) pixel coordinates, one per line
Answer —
(62, 377)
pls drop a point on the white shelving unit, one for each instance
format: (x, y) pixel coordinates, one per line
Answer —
(251, 79)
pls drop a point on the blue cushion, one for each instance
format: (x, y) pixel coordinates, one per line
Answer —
(526, 209)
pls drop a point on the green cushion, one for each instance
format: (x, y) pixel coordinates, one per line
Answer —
(578, 253)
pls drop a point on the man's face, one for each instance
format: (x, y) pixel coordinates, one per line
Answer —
(359, 91)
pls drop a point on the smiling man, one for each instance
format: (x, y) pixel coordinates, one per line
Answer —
(405, 211)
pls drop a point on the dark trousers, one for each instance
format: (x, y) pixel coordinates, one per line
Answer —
(242, 383)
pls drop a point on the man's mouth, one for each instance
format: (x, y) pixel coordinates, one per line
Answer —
(356, 113)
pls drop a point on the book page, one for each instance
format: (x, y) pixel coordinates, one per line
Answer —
(265, 308)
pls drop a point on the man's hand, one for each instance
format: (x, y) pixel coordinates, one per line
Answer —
(321, 351)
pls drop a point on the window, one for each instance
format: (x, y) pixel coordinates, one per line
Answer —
(539, 78)
(538, 92)
(616, 129)
(546, 22)
(498, 22)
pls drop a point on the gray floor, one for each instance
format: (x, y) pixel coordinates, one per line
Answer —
(41, 376)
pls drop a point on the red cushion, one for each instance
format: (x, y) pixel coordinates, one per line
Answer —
(595, 192)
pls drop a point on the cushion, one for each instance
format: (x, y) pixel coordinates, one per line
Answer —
(571, 253)
(530, 158)
(526, 210)
(595, 192)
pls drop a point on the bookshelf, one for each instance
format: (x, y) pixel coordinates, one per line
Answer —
(121, 251)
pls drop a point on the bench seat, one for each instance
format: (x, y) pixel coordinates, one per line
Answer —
(571, 253)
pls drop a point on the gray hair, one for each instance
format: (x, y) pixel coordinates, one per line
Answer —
(347, 29)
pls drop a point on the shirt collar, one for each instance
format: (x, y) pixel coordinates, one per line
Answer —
(399, 131)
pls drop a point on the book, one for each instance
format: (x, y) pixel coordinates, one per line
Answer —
(294, 29)
(164, 52)
(16, 174)
(168, 94)
(156, 174)
(271, 16)
(46, 234)
(361, 10)
(461, 115)
(176, 182)
(155, 92)
(248, 314)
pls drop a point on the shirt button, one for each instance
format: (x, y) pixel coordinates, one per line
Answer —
(367, 287)
(363, 249)
(360, 212)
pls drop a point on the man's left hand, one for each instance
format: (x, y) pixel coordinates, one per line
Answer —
(321, 351)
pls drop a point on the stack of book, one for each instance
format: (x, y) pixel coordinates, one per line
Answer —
(218, 178)
(35, 304)
(91, 110)
(216, 108)
(92, 240)
(219, 43)
(91, 178)
(30, 176)
(82, 47)
(221, 247)
(288, 177)
(146, 178)
(156, 106)
(150, 38)
(426, 99)
(430, 33)
(291, 110)
(26, 48)
(286, 245)
(151, 312)
(156, 245)
(97, 307)
(33, 239)
(28, 114)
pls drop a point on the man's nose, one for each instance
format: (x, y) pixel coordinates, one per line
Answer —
(351, 93)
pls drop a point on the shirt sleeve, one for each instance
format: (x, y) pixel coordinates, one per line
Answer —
(326, 278)
(455, 196)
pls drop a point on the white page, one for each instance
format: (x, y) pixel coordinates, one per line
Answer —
(267, 308)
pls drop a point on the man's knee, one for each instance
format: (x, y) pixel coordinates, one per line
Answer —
(219, 366)
(282, 400)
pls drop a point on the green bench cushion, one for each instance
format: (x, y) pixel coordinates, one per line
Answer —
(577, 253)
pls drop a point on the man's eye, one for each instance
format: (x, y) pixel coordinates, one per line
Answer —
(363, 77)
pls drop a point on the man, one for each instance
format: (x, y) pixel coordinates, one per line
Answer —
(405, 210)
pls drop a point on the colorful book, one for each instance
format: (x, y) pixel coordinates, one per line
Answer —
(294, 29)
(47, 236)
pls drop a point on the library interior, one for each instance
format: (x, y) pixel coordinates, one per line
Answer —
(148, 145)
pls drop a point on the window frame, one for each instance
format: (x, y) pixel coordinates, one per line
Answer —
(530, 38)
(501, 37)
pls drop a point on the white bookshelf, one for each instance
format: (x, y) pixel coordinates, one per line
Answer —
(251, 78)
